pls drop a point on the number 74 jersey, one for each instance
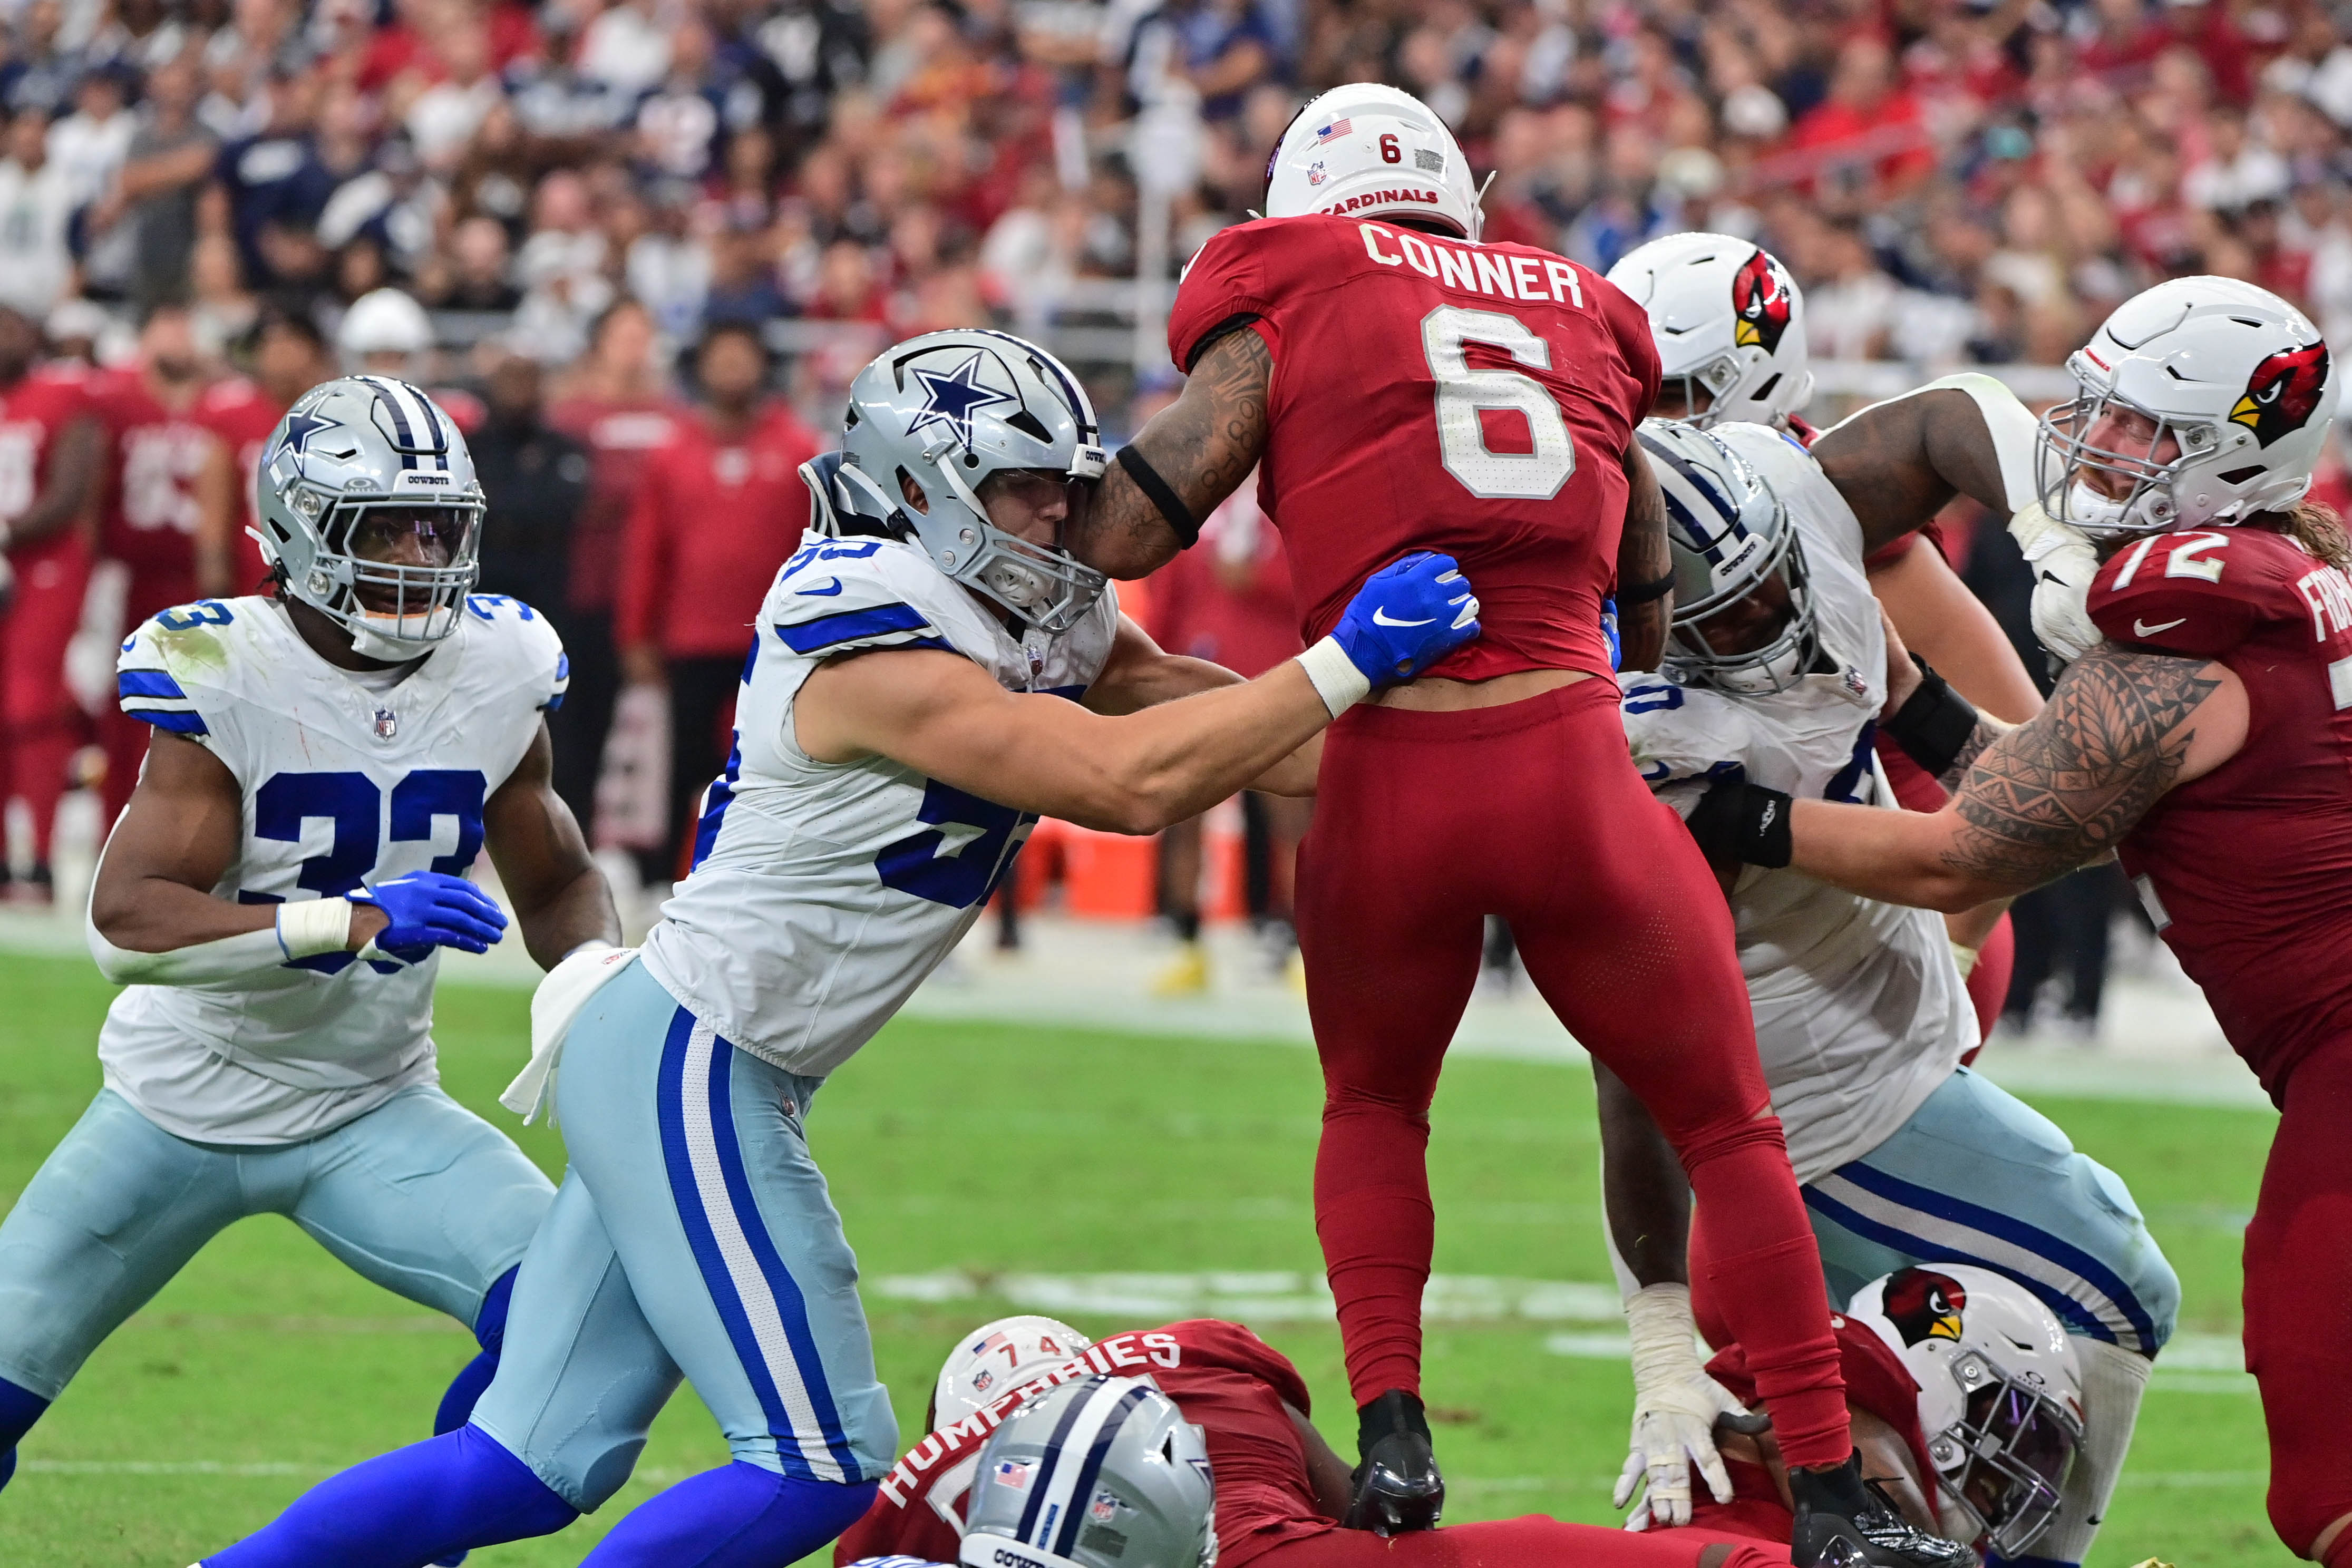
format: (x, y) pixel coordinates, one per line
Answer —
(823, 893)
(1428, 393)
(346, 778)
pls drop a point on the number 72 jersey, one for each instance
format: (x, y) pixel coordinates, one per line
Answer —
(1428, 393)
(344, 780)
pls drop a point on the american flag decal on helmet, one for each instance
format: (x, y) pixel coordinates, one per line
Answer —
(1333, 131)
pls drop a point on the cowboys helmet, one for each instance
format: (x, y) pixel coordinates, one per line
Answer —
(950, 411)
(1103, 1472)
(1729, 321)
(356, 464)
(996, 1358)
(1731, 537)
(2000, 1401)
(2237, 387)
(1371, 151)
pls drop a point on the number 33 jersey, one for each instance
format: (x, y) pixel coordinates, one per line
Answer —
(823, 893)
(346, 778)
(1431, 394)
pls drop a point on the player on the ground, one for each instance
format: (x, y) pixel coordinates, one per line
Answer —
(290, 357)
(2207, 740)
(1407, 387)
(51, 456)
(157, 448)
(1280, 1489)
(1779, 671)
(325, 766)
(932, 673)
(1729, 324)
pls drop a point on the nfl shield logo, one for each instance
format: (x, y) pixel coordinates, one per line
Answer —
(1314, 175)
(1105, 1509)
(387, 724)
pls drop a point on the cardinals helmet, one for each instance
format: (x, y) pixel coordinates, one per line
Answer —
(2000, 1401)
(1729, 321)
(1371, 151)
(2234, 389)
(998, 1357)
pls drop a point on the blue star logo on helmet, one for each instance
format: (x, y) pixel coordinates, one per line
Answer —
(300, 428)
(952, 398)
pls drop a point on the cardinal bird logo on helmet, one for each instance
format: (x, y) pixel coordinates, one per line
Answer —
(1924, 1305)
(2282, 392)
(1760, 297)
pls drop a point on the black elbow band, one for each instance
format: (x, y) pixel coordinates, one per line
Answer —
(1739, 823)
(1642, 592)
(1163, 496)
(1934, 726)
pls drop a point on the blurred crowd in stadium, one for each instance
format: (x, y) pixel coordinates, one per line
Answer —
(610, 211)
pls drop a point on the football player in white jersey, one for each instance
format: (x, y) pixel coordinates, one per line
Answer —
(325, 766)
(1778, 669)
(932, 673)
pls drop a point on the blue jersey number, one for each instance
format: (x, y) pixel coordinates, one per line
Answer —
(187, 617)
(354, 806)
(961, 861)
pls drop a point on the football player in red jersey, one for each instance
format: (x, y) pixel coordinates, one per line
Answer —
(1406, 387)
(1729, 324)
(2207, 740)
(1280, 1489)
(50, 450)
(157, 450)
(290, 358)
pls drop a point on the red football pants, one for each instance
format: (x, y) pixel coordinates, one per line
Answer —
(2298, 1262)
(1424, 824)
(1536, 1540)
(39, 723)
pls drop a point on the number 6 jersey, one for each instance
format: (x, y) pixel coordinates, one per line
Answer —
(1428, 393)
(822, 892)
(347, 778)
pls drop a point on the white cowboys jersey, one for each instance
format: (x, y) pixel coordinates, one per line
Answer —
(347, 779)
(823, 893)
(1860, 1011)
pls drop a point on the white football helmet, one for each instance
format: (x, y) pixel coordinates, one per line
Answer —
(383, 322)
(1728, 320)
(1371, 151)
(1730, 536)
(996, 1357)
(2000, 1400)
(2238, 386)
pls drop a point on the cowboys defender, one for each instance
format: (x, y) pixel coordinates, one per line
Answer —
(324, 766)
(1778, 667)
(931, 672)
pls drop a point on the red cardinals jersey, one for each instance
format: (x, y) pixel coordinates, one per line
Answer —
(2248, 871)
(33, 413)
(153, 457)
(713, 521)
(241, 415)
(621, 438)
(1433, 394)
(1226, 1380)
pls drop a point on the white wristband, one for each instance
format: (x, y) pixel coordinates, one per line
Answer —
(1336, 680)
(314, 925)
(1659, 1323)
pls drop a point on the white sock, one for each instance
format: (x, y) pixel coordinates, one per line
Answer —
(2114, 1379)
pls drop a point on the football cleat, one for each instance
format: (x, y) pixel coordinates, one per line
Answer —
(1187, 974)
(1840, 1524)
(1398, 1487)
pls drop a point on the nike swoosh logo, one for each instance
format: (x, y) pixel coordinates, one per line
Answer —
(822, 593)
(2142, 628)
(1381, 618)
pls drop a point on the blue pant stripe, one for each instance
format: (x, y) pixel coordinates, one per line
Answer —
(791, 1307)
(686, 1194)
(2064, 1253)
(2065, 1306)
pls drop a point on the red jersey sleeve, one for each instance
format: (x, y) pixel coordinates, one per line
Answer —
(1228, 278)
(644, 558)
(1212, 1341)
(2199, 592)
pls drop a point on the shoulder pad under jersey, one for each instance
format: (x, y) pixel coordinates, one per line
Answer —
(2201, 592)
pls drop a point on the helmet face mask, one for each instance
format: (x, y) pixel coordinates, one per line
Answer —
(1732, 545)
(951, 413)
(2006, 1458)
(358, 465)
(2203, 401)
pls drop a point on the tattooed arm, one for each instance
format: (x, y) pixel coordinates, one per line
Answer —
(1643, 557)
(2063, 789)
(1204, 444)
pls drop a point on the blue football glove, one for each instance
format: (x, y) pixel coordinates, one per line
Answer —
(1609, 634)
(1407, 616)
(432, 909)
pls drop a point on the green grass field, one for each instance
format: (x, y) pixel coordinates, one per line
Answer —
(996, 1150)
